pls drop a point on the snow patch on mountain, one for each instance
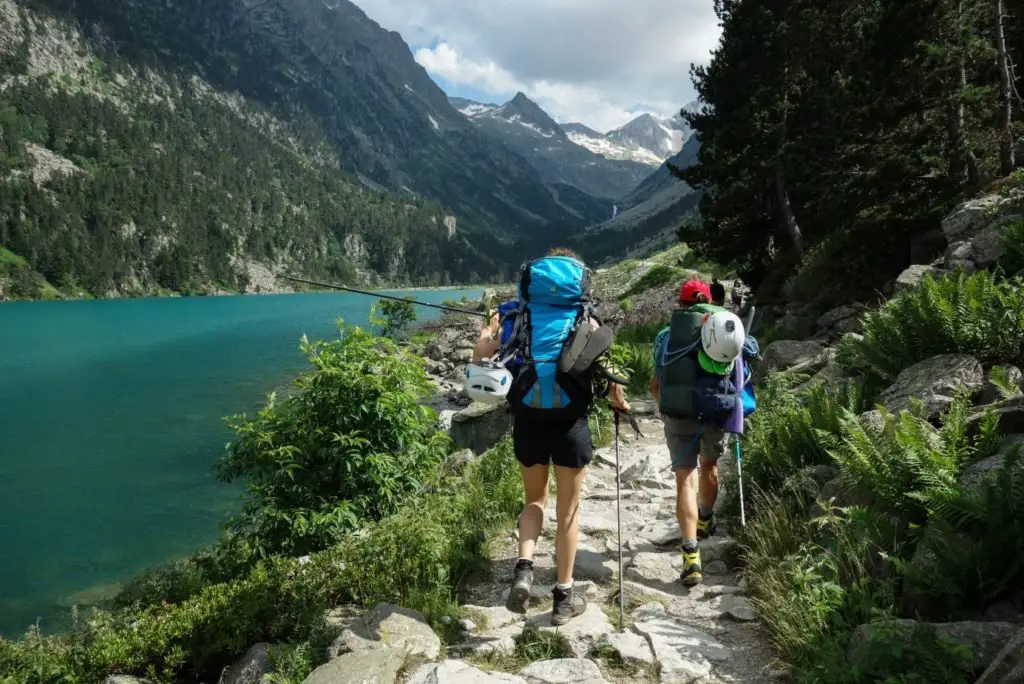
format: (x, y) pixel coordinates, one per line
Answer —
(612, 149)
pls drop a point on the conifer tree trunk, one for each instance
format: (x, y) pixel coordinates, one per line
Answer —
(1006, 156)
(789, 223)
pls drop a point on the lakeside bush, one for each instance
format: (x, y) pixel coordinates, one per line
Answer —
(876, 542)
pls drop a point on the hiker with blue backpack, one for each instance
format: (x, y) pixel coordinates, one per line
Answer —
(699, 366)
(545, 353)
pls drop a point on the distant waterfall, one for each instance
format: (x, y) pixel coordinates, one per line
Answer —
(615, 210)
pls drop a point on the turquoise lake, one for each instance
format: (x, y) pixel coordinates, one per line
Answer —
(111, 418)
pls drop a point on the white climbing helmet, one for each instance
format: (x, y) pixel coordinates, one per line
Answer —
(487, 382)
(722, 336)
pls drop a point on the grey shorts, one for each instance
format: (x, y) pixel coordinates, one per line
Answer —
(686, 440)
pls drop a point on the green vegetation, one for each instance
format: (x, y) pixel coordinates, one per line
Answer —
(395, 318)
(657, 276)
(19, 281)
(878, 540)
(114, 182)
(834, 132)
(318, 466)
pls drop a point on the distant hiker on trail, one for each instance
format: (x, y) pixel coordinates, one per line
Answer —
(694, 360)
(717, 292)
(737, 296)
(544, 353)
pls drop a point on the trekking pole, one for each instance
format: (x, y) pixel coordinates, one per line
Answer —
(618, 520)
(453, 309)
(739, 472)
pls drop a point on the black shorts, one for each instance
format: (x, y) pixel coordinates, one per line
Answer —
(567, 445)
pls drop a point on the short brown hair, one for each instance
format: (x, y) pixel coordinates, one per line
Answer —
(563, 251)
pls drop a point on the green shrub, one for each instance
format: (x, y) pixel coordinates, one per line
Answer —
(791, 430)
(656, 277)
(395, 318)
(640, 333)
(977, 314)
(638, 361)
(972, 552)
(348, 447)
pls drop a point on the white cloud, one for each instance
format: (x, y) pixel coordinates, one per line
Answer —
(581, 60)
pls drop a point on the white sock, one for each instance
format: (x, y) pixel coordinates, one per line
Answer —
(564, 587)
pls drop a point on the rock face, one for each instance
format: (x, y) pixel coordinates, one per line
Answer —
(251, 668)
(388, 625)
(912, 276)
(934, 381)
(480, 426)
(1008, 665)
(379, 666)
(791, 354)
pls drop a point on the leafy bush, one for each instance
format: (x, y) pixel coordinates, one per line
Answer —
(395, 318)
(656, 277)
(346, 448)
(640, 333)
(416, 558)
(638, 361)
(977, 314)
(1013, 246)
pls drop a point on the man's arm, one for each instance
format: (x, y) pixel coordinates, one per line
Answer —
(656, 390)
(488, 341)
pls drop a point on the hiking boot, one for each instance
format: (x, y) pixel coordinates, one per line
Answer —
(692, 572)
(522, 580)
(705, 526)
(566, 605)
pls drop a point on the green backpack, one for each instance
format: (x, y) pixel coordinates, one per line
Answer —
(680, 374)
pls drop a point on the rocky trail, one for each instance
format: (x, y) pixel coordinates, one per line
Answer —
(708, 634)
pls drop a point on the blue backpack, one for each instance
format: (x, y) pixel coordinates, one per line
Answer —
(554, 299)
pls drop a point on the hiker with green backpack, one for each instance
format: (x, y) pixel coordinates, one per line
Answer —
(695, 357)
(545, 353)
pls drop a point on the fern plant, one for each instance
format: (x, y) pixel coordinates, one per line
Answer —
(904, 455)
(980, 314)
(972, 553)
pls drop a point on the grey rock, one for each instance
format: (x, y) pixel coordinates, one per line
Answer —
(251, 667)
(716, 567)
(581, 633)
(563, 671)
(1008, 665)
(458, 672)
(458, 461)
(736, 607)
(595, 566)
(479, 427)
(958, 256)
(969, 217)
(643, 407)
(630, 646)
(681, 650)
(987, 246)
(124, 679)
(387, 625)
(791, 354)
(912, 276)
(833, 317)
(1010, 413)
(656, 570)
(934, 381)
(661, 533)
(376, 666)
(718, 548)
(977, 471)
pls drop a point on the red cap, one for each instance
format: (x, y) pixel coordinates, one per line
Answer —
(689, 294)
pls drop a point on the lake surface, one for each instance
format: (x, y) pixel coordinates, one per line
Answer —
(111, 418)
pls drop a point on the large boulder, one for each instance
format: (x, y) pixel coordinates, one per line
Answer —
(912, 276)
(458, 672)
(385, 626)
(797, 355)
(563, 671)
(934, 381)
(969, 217)
(251, 668)
(1008, 665)
(480, 426)
(993, 393)
(1010, 413)
(377, 665)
